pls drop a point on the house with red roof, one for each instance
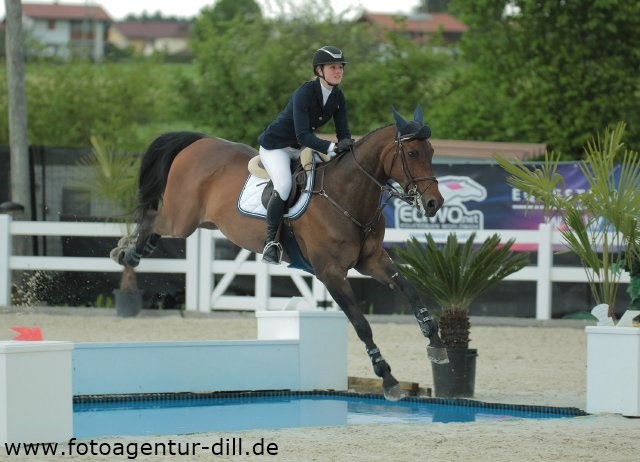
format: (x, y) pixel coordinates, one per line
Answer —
(420, 27)
(65, 30)
(149, 37)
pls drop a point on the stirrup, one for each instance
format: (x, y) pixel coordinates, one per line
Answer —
(278, 249)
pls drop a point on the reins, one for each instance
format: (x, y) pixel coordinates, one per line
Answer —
(411, 197)
(322, 192)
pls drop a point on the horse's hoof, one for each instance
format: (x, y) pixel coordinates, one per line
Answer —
(117, 255)
(437, 355)
(394, 393)
(131, 258)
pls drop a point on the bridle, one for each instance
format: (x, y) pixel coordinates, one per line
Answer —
(410, 194)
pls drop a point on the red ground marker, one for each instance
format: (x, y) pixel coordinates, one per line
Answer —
(28, 333)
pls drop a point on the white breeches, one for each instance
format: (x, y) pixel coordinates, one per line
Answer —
(277, 163)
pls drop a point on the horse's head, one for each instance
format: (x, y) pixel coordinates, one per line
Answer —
(411, 165)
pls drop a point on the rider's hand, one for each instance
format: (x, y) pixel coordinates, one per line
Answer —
(344, 145)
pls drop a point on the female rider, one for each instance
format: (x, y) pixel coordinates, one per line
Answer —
(311, 106)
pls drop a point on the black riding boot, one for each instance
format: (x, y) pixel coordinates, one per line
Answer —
(273, 250)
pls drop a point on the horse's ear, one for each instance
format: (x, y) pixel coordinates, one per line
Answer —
(400, 122)
(417, 115)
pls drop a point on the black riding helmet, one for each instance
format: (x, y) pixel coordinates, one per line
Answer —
(328, 55)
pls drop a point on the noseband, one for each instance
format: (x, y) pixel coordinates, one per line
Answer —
(411, 195)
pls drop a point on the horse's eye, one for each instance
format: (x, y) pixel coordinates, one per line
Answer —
(413, 154)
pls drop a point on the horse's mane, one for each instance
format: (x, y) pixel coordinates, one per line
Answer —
(371, 133)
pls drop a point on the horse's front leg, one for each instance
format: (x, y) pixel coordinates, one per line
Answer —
(336, 282)
(382, 269)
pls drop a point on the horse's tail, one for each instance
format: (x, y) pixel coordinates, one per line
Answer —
(155, 166)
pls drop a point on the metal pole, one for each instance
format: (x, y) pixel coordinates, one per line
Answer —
(18, 142)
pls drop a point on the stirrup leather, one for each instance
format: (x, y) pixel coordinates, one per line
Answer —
(279, 251)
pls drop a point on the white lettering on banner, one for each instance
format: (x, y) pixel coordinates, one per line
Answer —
(521, 200)
(454, 214)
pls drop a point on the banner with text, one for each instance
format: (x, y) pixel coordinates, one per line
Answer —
(477, 196)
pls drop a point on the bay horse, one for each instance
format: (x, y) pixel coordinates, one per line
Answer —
(189, 180)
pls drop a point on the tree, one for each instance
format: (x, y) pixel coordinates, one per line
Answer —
(433, 6)
(157, 16)
(242, 84)
(551, 72)
(69, 103)
(226, 10)
(400, 74)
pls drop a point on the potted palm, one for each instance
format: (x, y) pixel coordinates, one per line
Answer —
(454, 275)
(115, 182)
(602, 227)
(599, 225)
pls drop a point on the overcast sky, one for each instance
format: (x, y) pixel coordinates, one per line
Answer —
(118, 9)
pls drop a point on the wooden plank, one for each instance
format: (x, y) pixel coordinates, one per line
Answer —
(369, 385)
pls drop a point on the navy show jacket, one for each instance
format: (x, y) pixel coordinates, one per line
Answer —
(304, 113)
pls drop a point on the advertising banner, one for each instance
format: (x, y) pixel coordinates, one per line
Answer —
(477, 196)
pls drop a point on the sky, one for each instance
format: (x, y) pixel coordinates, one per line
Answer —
(118, 9)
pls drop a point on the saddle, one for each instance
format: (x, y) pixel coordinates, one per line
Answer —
(302, 171)
(300, 168)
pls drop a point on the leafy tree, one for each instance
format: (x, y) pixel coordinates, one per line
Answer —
(67, 104)
(226, 10)
(157, 16)
(243, 83)
(244, 73)
(433, 6)
(550, 72)
(401, 74)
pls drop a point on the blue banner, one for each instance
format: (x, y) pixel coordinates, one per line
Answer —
(477, 196)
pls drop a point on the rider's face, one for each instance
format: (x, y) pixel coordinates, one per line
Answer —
(333, 73)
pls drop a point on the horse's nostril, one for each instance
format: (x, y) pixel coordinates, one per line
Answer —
(431, 205)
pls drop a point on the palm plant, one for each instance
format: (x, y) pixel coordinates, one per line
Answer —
(115, 181)
(455, 274)
(601, 225)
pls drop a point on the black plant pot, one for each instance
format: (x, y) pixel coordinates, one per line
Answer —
(458, 377)
(128, 303)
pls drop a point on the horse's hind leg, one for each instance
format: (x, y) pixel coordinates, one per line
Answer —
(341, 291)
(140, 243)
(145, 244)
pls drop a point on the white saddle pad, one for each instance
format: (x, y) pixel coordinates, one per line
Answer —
(250, 200)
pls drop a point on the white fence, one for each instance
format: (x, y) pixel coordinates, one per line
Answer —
(199, 265)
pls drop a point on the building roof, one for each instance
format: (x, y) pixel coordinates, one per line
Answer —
(485, 150)
(476, 150)
(62, 11)
(421, 23)
(154, 29)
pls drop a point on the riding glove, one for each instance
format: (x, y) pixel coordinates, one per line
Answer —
(343, 145)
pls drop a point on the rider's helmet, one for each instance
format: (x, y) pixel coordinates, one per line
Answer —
(328, 55)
